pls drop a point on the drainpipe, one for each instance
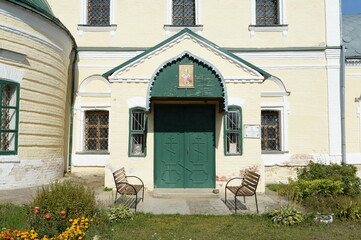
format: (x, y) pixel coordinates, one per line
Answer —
(342, 103)
(342, 91)
(72, 109)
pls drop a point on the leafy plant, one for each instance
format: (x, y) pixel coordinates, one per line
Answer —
(107, 189)
(55, 204)
(286, 215)
(120, 213)
(335, 172)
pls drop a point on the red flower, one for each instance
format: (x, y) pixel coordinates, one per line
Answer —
(36, 211)
(62, 212)
(47, 216)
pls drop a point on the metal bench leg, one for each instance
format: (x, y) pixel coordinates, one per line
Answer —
(235, 204)
(225, 196)
(136, 202)
(255, 196)
(115, 200)
(143, 195)
(244, 199)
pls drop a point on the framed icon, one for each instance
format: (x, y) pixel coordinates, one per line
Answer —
(186, 76)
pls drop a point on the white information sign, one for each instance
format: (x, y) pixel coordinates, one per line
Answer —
(252, 131)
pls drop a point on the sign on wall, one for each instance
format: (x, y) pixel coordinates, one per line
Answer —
(252, 131)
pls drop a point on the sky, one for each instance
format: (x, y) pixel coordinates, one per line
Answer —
(351, 6)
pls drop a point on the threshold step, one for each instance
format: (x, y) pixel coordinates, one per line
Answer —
(185, 193)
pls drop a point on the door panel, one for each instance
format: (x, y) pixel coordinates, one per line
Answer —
(184, 146)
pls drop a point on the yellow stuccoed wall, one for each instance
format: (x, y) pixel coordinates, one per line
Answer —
(141, 24)
(44, 97)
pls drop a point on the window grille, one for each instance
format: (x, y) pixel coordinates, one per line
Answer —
(270, 131)
(96, 130)
(137, 133)
(267, 12)
(184, 12)
(233, 132)
(99, 12)
(9, 117)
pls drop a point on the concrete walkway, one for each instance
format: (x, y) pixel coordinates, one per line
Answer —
(162, 205)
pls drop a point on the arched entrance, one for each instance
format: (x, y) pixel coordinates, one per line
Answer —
(184, 122)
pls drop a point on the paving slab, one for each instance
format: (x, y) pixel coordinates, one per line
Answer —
(153, 203)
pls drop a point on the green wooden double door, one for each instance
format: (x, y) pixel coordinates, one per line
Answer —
(184, 146)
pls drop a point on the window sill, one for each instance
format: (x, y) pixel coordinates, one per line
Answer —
(9, 159)
(93, 153)
(268, 28)
(274, 152)
(176, 28)
(97, 28)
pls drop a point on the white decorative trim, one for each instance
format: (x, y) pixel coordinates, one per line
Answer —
(236, 102)
(169, 9)
(135, 79)
(13, 56)
(79, 113)
(286, 160)
(282, 18)
(353, 158)
(137, 102)
(174, 28)
(243, 80)
(84, 19)
(282, 55)
(353, 75)
(333, 23)
(9, 159)
(32, 37)
(282, 108)
(333, 89)
(179, 39)
(85, 82)
(298, 67)
(90, 160)
(90, 28)
(107, 67)
(10, 73)
(100, 55)
(273, 94)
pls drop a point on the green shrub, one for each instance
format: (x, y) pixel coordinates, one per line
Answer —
(120, 213)
(286, 215)
(303, 189)
(54, 205)
(344, 173)
(277, 187)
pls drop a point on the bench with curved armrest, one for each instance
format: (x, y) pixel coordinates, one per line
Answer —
(247, 188)
(126, 188)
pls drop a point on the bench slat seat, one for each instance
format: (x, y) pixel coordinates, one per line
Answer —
(247, 188)
(125, 188)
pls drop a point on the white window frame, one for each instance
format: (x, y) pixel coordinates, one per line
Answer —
(83, 26)
(281, 27)
(283, 127)
(169, 27)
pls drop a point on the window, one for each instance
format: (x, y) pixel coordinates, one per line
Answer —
(233, 131)
(98, 12)
(270, 121)
(137, 138)
(96, 131)
(9, 117)
(267, 12)
(183, 12)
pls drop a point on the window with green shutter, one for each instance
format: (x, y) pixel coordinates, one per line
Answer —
(9, 117)
(233, 131)
(137, 132)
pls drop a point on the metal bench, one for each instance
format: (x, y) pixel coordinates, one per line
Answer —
(247, 188)
(125, 188)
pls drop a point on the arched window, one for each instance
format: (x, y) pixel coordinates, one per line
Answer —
(137, 132)
(233, 131)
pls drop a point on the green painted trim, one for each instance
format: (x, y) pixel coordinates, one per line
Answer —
(110, 49)
(225, 131)
(130, 132)
(278, 49)
(16, 130)
(184, 31)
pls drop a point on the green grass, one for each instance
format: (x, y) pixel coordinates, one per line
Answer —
(198, 227)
